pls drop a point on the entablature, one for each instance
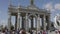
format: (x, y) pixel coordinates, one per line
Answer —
(29, 9)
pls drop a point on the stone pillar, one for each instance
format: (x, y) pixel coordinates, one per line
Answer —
(49, 21)
(18, 21)
(23, 22)
(27, 23)
(44, 22)
(32, 22)
(38, 23)
(35, 22)
(9, 21)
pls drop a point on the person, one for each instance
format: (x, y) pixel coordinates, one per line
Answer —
(35, 32)
(27, 32)
(22, 31)
(56, 31)
(30, 31)
(0, 31)
(46, 32)
(13, 31)
(38, 32)
(43, 32)
(59, 31)
(3, 31)
(17, 31)
(6, 31)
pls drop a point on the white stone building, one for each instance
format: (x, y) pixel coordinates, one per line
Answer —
(57, 21)
(28, 13)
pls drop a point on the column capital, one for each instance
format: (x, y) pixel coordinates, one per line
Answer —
(19, 13)
(38, 15)
(26, 14)
(9, 16)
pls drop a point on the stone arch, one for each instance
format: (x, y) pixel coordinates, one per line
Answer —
(32, 23)
(32, 15)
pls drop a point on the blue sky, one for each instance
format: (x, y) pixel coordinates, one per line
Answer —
(52, 5)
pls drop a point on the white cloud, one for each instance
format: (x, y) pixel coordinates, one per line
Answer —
(57, 6)
(53, 10)
(48, 6)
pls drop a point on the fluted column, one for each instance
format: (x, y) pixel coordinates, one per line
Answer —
(27, 23)
(38, 23)
(32, 22)
(18, 21)
(35, 22)
(9, 21)
(49, 21)
(44, 22)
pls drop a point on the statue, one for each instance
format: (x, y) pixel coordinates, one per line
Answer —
(31, 2)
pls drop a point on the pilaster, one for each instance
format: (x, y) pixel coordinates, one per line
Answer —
(18, 21)
(44, 22)
(38, 23)
(32, 22)
(9, 21)
(48, 22)
(27, 23)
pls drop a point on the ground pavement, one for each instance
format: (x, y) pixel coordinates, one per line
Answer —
(53, 32)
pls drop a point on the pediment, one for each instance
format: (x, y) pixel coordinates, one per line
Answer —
(32, 7)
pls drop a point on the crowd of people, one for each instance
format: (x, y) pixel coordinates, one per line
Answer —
(22, 31)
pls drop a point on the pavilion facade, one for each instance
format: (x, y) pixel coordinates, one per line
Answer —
(27, 13)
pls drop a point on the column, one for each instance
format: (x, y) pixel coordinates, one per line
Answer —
(35, 22)
(18, 21)
(44, 22)
(49, 22)
(27, 23)
(32, 22)
(9, 21)
(23, 22)
(38, 23)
